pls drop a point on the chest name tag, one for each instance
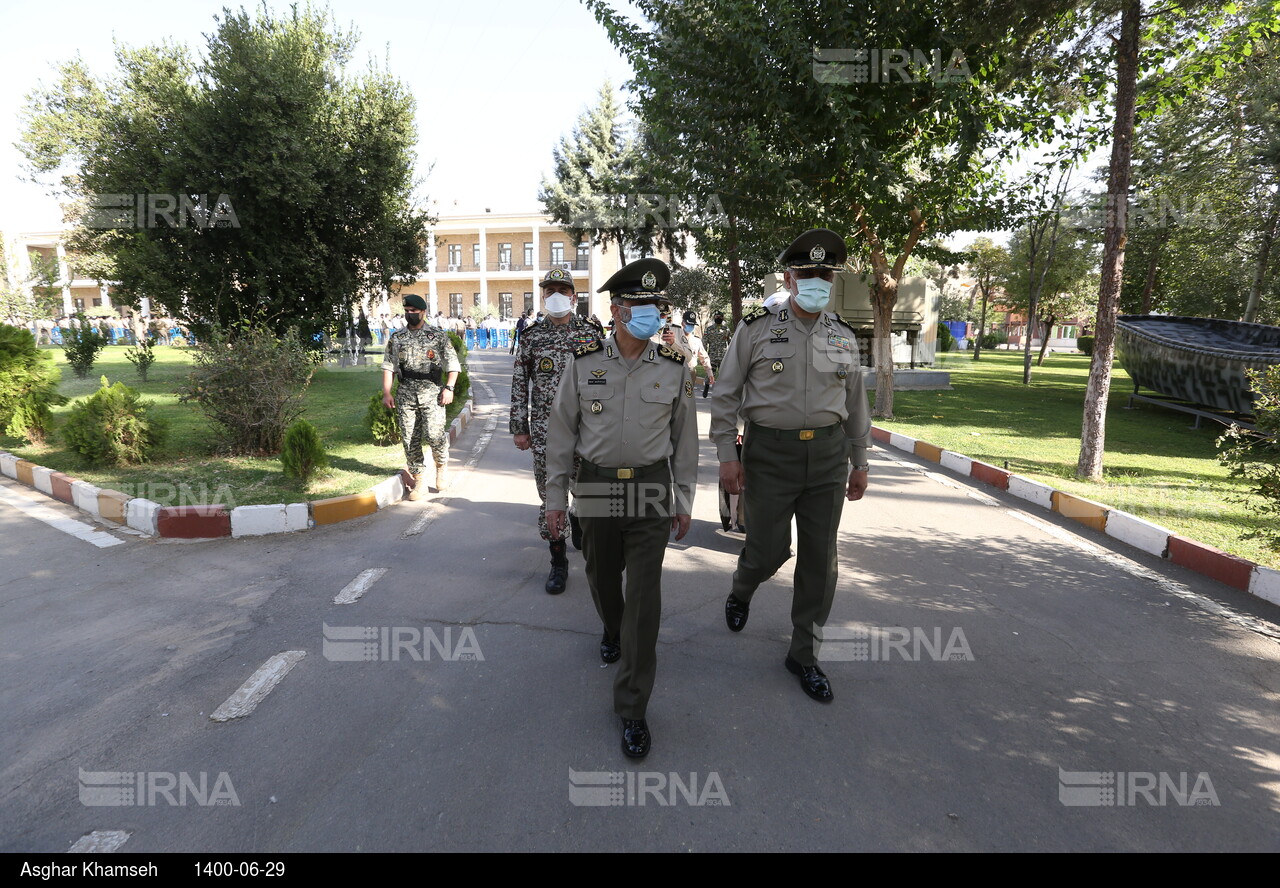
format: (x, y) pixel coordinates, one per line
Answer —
(779, 339)
(597, 382)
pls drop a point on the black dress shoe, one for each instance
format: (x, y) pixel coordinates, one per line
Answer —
(635, 738)
(610, 649)
(575, 532)
(726, 523)
(735, 612)
(812, 680)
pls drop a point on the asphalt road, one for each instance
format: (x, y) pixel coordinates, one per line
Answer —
(1004, 681)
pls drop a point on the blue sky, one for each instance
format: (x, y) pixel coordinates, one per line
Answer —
(505, 78)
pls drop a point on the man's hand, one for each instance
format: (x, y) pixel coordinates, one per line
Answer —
(668, 337)
(679, 524)
(523, 442)
(555, 524)
(732, 478)
(857, 485)
(446, 397)
(388, 401)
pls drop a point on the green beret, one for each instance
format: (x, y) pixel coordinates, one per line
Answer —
(412, 301)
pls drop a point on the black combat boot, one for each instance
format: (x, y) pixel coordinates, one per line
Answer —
(559, 569)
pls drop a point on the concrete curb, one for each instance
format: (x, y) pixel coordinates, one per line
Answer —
(208, 522)
(1231, 570)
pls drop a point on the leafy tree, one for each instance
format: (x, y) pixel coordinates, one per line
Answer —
(40, 298)
(1256, 457)
(1065, 284)
(987, 263)
(274, 185)
(736, 103)
(696, 289)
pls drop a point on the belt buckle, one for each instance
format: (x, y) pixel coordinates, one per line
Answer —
(626, 474)
(806, 434)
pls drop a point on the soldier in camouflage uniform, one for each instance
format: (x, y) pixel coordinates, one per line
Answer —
(423, 357)
(545, 349)
(715, 339)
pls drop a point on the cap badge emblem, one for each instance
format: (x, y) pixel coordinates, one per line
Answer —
(649, 281)
(817, 254)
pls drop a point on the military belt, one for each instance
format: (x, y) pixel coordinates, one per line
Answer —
(429, 376)
(626, 474)
(792, 434)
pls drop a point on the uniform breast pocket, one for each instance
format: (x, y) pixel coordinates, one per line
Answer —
(655, 411)
(596, 399)
(834, 354)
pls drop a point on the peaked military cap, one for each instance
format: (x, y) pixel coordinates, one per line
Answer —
(641, 281)
(816, 248)
(691, 317)
(415, 301)
(557, 276)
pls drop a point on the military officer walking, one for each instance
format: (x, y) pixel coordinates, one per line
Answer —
(424, 358)
(543, 352)
(625, 407)
(792, 372)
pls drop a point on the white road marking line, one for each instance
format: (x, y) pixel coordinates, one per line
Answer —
(100, 841)
(423, 521)
(77, 529)
(251, 693)
(351, 593)
(1120, 562)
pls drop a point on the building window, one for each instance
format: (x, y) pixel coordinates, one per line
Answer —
(528, 301)
(504, 255)
(455, 304)
(504, 305)
(557, 252)
(475, 256)
(455, 256)
(475, 300)
(584, 254)
(78, 303)
(528, 255)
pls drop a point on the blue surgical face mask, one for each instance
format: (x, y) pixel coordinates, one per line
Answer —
(688, 328)
(812, 294)
(644, 322)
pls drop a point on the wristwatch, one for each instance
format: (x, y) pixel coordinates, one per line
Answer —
(865, 467)
(449, 387)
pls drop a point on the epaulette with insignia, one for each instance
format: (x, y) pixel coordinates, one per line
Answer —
(671, 354)
(755, 314)
(584, 350)
(842, 322)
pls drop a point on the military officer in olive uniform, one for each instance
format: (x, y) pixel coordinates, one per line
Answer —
(543, 353)
(625, 407)
(424, 358)
(792, 373)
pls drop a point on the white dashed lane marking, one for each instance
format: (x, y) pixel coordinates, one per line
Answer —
(252, 692)
(352, 591)
(100, 841)
(77, 529)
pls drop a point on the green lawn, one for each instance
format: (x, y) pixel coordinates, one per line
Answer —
(336, 403)
(1156, 465)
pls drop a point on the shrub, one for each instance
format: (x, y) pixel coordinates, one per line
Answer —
(141, 357)
(462, 388)
(1256, 457)
(113, 427)
(990, 341)
(250, 383)
(81, 344)
(302, 454)
(946, 339)
(384, 424)
(1085, 344)
(28, 383)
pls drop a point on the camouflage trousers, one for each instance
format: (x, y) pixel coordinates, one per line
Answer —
(422, 421)
(540, 479)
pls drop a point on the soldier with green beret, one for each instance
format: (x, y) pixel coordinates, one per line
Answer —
(792, 373)
(625, 408)
(427, 364)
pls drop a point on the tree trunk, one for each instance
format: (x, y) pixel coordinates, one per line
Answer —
(982, 327)
(884, 294)
(1044, 340)
(1093, 430)
(1153, 270)
(1264, 258)
(735, 274)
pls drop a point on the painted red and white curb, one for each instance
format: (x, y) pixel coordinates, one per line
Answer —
(1240, 573)
(198, 521)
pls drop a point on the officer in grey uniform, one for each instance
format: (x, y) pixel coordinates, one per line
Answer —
(544, 351)
(427, 364)
(625, 407)
(792, 372)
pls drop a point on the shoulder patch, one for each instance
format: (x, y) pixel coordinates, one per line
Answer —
(755, 314)
(671, 354)
(583, 350)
